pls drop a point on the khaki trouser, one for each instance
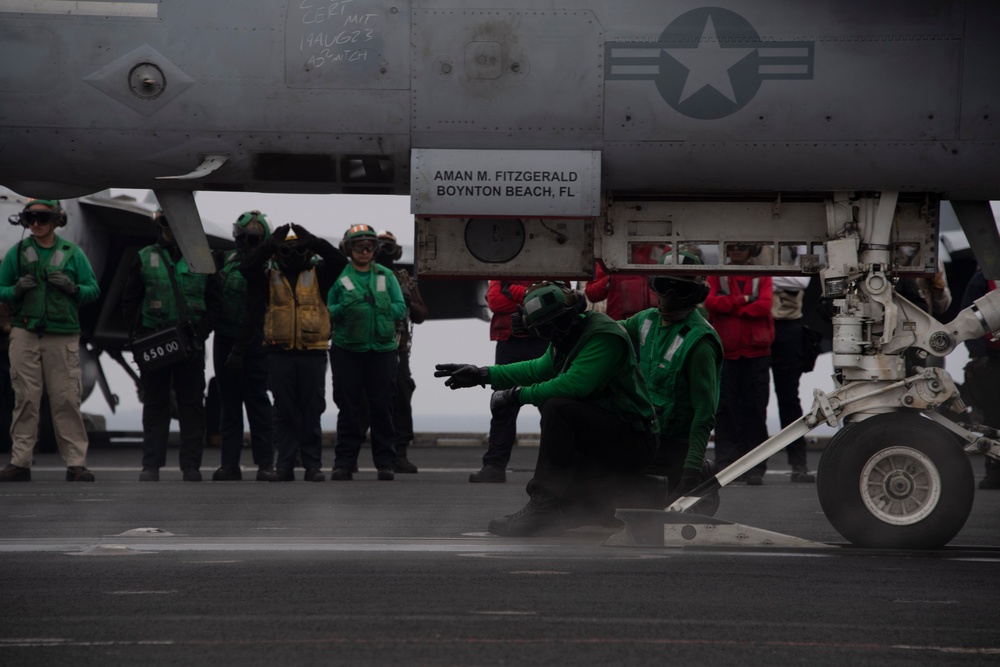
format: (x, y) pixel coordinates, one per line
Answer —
(50, 363)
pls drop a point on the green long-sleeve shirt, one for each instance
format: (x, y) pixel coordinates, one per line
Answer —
(599, 368)
(588, 373)
(47, 308)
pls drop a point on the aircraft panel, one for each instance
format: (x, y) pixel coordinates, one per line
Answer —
(980, 119)
(356, 44)
(507, 71)
(780, 72)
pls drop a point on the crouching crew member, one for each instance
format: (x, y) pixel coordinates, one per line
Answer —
(287, 301)
(598, 427)
(241, 362)
(365, 305)
(160, 291)
(680, 356)
(46, 279)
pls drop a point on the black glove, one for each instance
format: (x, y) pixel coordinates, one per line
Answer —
(504, 399)
(304, 235)
(24, 284)
(234, 363)
(505, 290)
(517, 327)
(461, 376)
(280, 233)
(690, 480)
(63, 282)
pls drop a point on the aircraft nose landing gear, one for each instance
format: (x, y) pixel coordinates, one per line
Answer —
(896, 481)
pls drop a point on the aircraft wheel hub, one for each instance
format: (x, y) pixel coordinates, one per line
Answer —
(900, 485)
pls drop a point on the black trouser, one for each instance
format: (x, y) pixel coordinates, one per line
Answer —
(587, 454)
(786, 368)
(355, 375)
(741, 423)
(402, 413)
(236, 390)
(297, 380)
(503, 423)
(187, 378)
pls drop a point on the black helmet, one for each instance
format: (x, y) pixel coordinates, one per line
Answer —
(551, 309)
(679, 292)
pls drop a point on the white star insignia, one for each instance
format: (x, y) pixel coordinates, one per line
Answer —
(708, 64)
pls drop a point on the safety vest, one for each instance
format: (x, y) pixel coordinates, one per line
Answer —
(234, 291)
(724, 286)
(46, 304)
(662, 355)
(299, 320)
(366, 321)
(159, 305)
(625, 394)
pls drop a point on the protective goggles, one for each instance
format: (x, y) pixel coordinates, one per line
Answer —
(29, 218)
(672, 287)
(289, 250)
(388, 247)
(554, 327)
(363, 246)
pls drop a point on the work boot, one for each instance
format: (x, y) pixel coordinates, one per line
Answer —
(13, 473)
(540, 517)
(79, 474)
(227, 474)
(264, 473)
(149, 474)
(386, 475)
(403, 465)
(282, 475)
(341, 475)
(754, 479)
(802, 474)
(313, 475)
(991, 481)
(191, 474)
(490, 474)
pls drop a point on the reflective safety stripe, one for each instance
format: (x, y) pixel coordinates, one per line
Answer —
(380, 283)
(30, 254)
(154, 260)
(674, 346)
(644, 331)
(346, 282)
(724, 286)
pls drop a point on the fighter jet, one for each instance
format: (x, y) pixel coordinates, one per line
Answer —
(537, 138)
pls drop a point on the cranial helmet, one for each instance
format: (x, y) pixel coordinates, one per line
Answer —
(242, 222)
(679, 292)
(551, 309)
(388, 245)
(360, 233)
(54, 214)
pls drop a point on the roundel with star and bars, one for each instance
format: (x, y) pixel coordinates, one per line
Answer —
(709, 63)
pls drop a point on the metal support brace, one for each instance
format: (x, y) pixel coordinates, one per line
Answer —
(185, 223)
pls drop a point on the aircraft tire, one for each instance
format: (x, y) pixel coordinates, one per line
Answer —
(896, 481)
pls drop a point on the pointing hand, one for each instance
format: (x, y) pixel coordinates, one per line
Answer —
(461, 376)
